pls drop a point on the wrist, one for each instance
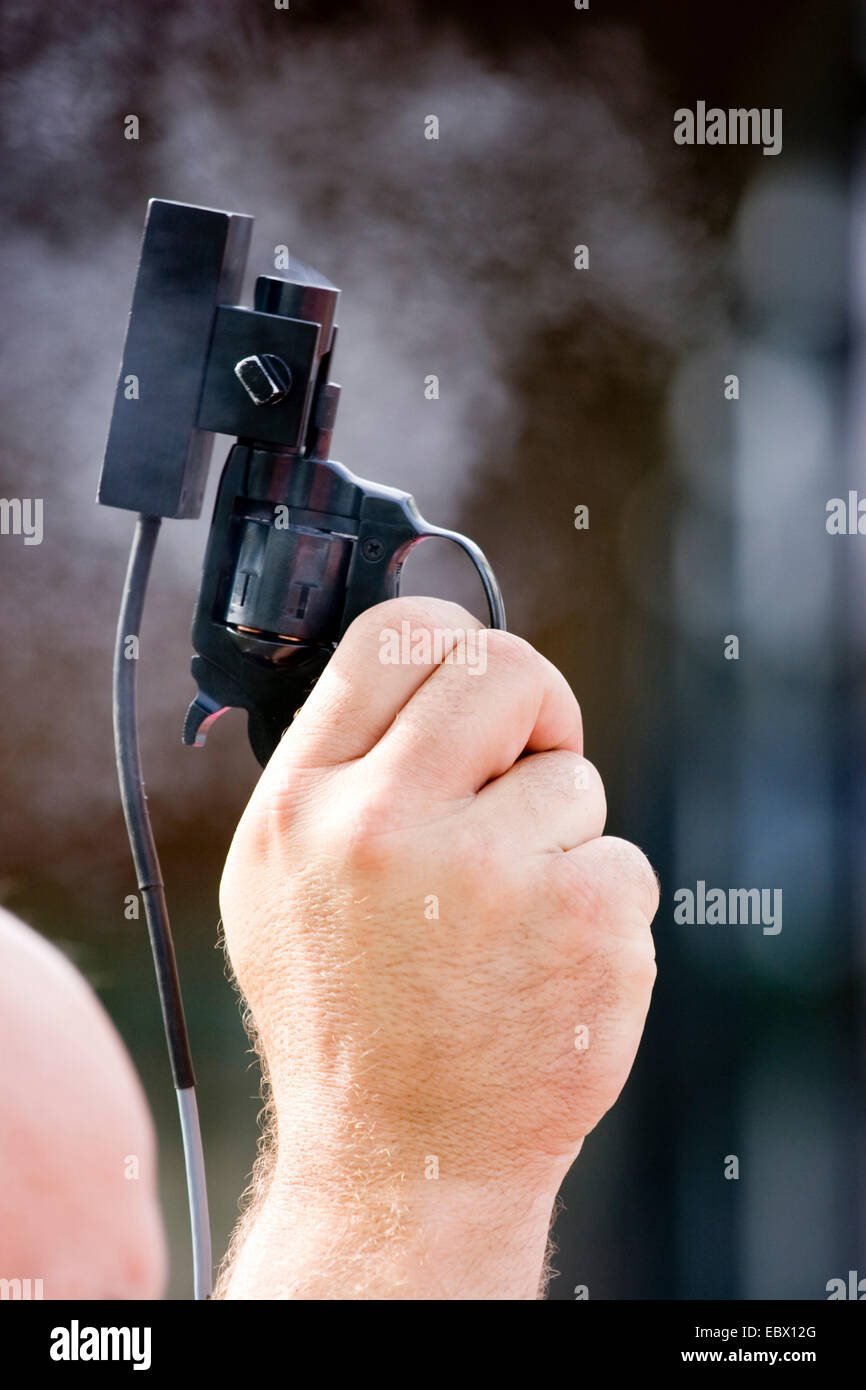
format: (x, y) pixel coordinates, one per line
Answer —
(418, 1239)
(349, 1216)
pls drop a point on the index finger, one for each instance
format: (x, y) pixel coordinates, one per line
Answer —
(362, 690)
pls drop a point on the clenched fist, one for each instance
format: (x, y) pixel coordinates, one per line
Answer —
(447, 965)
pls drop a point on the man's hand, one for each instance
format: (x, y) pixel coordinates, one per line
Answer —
(447, 965)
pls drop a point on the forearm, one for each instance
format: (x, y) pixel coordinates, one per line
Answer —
(357, 1205)
(369, 1237)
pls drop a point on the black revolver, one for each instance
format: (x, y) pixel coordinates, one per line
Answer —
(298, 545)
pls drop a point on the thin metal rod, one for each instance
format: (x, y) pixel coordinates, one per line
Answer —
(196, 1187)
(149, 878)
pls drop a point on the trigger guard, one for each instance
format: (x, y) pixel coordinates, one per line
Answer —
(490, 584)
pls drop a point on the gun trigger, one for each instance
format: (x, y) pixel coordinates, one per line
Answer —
(202, 713)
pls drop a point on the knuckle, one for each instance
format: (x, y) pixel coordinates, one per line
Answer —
(360, 831)
(577, 774)
(642, 968)
(566, 778)
(635, 875)
(510, 652)
(640, 877)
(585, 770)
(417, 610)
(613, 882)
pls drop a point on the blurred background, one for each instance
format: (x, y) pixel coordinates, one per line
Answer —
(559, 387)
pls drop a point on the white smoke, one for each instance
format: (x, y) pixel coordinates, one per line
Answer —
(454, 257)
